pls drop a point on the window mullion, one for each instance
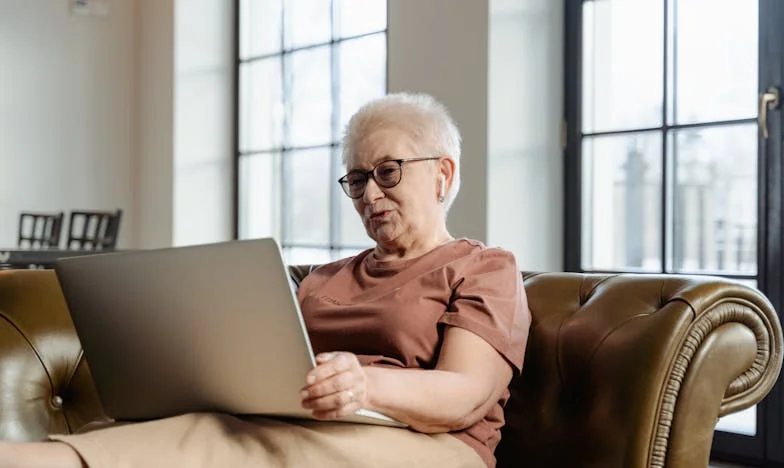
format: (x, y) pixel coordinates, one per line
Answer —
(665, 193)
(335, 220)
(285, 176)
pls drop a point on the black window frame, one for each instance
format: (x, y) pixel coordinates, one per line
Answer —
(767, 447)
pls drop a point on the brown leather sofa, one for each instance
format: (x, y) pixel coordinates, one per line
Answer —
(621, 370)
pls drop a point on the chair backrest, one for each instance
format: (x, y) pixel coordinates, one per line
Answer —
(93, 230)
(39, 230)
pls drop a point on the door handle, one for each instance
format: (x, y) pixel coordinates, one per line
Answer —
(769, 100)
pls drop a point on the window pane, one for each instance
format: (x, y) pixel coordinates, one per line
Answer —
(623, 62)
(310, 104)
(260, 196)
(306, 256)
(715, 60)
(715, 199)
(361, 16)
(748, 282)
(742, 422)
(363, 70)
(202, 216)
(307, 22)
(345, 253)
(307, 188)
(622, 181)
(260, 27)
(261, 105)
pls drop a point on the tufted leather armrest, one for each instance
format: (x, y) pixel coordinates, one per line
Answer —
(45, 385)
(634, 370)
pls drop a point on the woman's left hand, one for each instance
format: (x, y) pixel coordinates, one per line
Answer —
(336, 387)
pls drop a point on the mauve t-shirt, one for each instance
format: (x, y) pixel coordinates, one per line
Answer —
(392, 313)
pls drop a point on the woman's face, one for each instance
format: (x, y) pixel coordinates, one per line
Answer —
(408, 213)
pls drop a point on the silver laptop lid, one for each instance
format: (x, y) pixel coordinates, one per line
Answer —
(200, 328)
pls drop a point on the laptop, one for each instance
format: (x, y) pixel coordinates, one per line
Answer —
(213, 327)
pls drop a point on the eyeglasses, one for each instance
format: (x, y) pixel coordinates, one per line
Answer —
(387, 174)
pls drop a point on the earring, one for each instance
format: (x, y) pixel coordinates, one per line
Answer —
(442, 194)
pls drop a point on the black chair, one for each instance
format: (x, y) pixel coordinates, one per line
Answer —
(93, 230)
(39, 230)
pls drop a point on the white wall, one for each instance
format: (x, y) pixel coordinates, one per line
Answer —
(203, 134)
(497, 65)
(440, 47)
(185, 63)
(66, 112)
(154, 166)
(131, 110)
(525, 159)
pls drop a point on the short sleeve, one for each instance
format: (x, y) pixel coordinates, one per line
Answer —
(488, 299)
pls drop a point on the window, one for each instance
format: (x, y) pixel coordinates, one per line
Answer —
(667, 170)
(304, 67)
(668, 137)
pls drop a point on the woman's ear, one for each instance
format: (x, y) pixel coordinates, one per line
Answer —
(447, 172)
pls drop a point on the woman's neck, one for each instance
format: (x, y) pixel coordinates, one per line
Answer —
(415, 248)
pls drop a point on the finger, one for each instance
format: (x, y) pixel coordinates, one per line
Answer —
(333, 384)
(335, 414)
(324, 357)
(330, 402)
(338, 362)
(335, 405)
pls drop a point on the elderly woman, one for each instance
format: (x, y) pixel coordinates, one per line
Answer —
(424, 328)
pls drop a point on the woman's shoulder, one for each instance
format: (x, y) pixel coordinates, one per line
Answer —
(475, 252)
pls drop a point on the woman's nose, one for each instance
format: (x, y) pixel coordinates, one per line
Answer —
(372, 191)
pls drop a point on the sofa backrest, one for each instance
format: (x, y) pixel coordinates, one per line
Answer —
(620, 370)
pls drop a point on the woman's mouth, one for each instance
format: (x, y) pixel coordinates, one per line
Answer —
(379, 216)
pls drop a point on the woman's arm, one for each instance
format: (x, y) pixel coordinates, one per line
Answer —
(468, 380)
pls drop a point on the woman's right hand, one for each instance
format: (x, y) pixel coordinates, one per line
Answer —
(336, 387)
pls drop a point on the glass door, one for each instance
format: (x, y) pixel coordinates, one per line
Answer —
(673, 155)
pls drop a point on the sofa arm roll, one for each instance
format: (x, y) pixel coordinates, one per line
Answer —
(45, 384)
(634, 370)
(728, 361)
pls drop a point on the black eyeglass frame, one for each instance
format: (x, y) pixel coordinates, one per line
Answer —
(343, 181)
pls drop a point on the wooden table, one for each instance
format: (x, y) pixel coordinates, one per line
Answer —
(42, 258)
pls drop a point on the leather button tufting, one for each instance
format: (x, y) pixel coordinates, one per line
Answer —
(57, 402)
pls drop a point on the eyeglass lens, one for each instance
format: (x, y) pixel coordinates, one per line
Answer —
(387, 174)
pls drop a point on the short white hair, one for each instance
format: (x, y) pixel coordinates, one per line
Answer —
(421, 116)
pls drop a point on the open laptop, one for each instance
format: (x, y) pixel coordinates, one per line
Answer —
(212, 327)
